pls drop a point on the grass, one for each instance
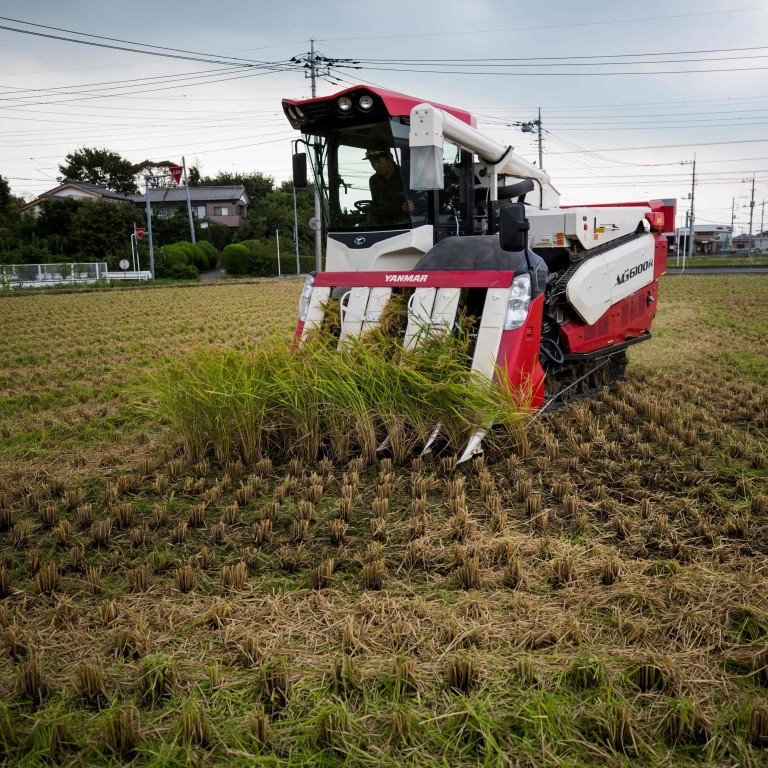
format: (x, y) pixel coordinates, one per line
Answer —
(593, 596)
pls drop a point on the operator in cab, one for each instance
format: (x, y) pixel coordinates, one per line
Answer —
(390, 205)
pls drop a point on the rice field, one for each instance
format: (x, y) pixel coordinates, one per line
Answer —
(593, 591)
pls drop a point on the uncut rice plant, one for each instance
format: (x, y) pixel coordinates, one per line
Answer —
(319, 401)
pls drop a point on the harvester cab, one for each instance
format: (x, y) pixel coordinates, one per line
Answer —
(556, 293)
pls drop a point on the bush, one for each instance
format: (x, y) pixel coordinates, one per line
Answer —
(234, 259)
(210, 251)
(257, 258)
(220, 235)
(177, 261)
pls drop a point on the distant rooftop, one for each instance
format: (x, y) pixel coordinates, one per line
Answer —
(196, 194)
(95, 188)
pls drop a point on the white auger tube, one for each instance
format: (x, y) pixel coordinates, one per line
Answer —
(430, 126)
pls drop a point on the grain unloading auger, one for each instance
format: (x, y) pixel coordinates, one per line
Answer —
(457, 225)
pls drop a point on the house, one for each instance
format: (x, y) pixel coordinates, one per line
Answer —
(708, 239)
(211, 205)
(78, 189)
(759, 242)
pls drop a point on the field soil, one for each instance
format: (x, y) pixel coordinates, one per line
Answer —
(592, 592)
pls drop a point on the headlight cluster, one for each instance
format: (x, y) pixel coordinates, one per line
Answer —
(519, 301)
(295, 113)
(306, 295)
(364, 104)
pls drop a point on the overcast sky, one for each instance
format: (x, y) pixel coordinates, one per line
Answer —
(628, 91)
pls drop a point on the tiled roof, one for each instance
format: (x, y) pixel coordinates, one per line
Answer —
(196, 194)
(96, 188)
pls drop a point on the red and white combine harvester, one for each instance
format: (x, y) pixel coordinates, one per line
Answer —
(415, 199)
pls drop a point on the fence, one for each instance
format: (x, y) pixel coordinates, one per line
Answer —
(37, 275)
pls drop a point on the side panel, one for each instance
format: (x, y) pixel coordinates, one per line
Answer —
(607, 279)
(519, 357)
(628, 319)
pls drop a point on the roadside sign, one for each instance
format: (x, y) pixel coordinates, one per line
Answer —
(313, 223)
(175, 171)
(140, 232)
(124, 264)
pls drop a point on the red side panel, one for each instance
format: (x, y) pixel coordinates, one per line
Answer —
(627, 319)
(659, 256)
(297, 334)
(519, 357)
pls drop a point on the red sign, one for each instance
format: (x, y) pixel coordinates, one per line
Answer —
(175, 171)
(140, 232)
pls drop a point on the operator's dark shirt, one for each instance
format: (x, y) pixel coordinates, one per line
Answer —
(388, 199)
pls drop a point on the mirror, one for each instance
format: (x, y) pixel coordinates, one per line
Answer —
(300, 169)
(513, 227)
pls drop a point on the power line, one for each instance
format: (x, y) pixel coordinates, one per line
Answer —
(553, 74)
(570, 25)
(158, 48)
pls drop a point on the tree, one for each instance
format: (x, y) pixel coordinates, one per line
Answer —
(175, 228)
(256, 184)
(54, 224)
(193, 176)
(5, 194)
(101, 230)
(10, 226)
(154, 168)
(102, 167)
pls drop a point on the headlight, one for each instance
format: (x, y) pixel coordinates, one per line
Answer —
(345, 103)
(306, 295)
(300, 114)
(519, 301)
(365, 103)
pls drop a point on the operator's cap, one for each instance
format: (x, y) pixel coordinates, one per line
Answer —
(372, 154)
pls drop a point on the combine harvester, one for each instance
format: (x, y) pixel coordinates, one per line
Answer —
(464, 227)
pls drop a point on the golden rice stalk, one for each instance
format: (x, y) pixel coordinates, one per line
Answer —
(233, 576)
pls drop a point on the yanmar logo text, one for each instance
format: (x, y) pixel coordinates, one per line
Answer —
(628, 274)
(405, 278)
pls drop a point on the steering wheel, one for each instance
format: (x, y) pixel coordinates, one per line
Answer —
(363, 205)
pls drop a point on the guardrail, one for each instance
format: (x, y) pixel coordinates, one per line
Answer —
(38, 275)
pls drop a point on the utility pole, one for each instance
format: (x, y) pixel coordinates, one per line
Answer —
(530, 127)
(692, 217)
(541, 154)
(762, 216)
(296, 233)
(189, 202)
(318, 214)
(751, 213)
(149, 229)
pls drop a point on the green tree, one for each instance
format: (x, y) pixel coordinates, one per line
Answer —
(175, 228)
(11, 240)
(158, 168)
(193, 176)
(101, 230)
(53, 225)
(256, 184)
(5, 194)
(219, 235)
(100, 166)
